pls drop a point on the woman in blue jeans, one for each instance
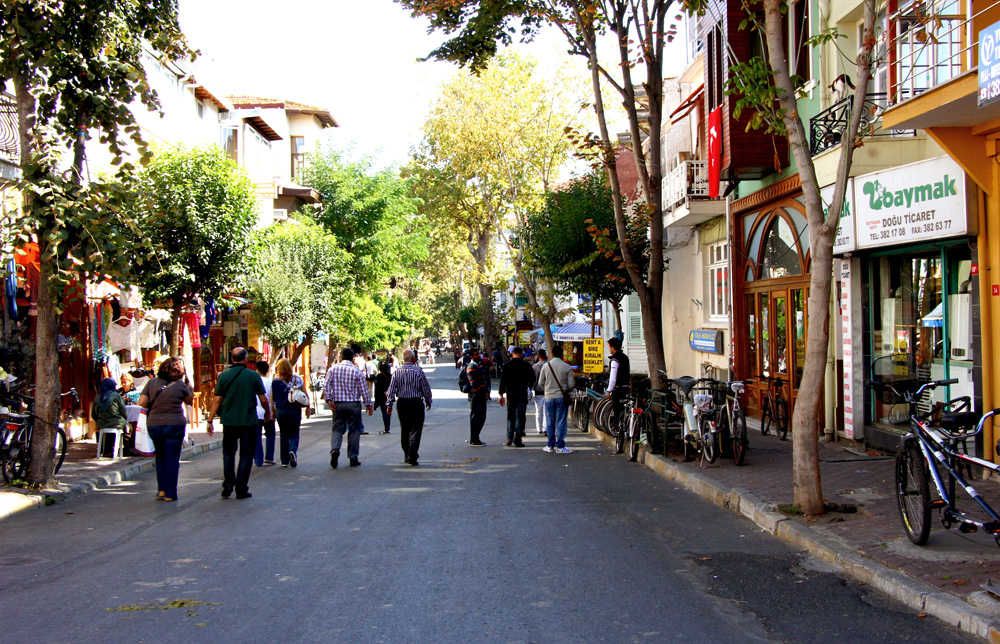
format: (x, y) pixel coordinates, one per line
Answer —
(288, 415)
(164, 398)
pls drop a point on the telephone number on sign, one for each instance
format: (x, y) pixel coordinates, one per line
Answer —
(991, 91)
(888, 233)
(932, 226)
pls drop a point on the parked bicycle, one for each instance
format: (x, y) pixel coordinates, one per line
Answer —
(737, 422)
(935, 443)
(698, 437)
(774, 411)
(18, 431)
(579, 412)
(633, 428)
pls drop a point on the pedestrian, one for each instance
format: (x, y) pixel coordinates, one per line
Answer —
(288, 414)
(164, 398)
(540, 420)
(235, 391)
(516, 382)
(619, 380)
(479, 395)
(108, 410)
(264, 454)
(556, 381)
(360, 362)
(344, 391)
(409, 392)
(371, 373)
(382, 393)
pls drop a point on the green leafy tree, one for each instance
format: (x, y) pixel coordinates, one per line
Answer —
(198, 208)
(75, 67)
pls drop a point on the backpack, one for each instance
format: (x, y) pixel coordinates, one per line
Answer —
(463, 381)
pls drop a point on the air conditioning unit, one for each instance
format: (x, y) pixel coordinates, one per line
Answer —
(960, 326)
(280, 214)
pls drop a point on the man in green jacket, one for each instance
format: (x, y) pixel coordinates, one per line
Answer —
(236, 394)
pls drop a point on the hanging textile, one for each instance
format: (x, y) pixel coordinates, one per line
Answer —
(187, 353)
(124, 337)
(10, 289)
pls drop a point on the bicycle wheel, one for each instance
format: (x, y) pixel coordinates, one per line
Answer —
(690, 451)
(649, 426)
(913, 492)
(765, 419)
(709, 450)
(781, 418)
(60, 447)
(15, 463)
(584, 423)
(634, 428)
(621, 430)
(602, 415)
(739, 432)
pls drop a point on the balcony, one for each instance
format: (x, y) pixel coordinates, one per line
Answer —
(685, 196)
(10, 149)
(933, 51)
(826, 129)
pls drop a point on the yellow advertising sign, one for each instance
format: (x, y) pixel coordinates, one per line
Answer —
(593, 355)
(524, 338)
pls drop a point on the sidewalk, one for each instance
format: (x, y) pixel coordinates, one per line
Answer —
(863, 535)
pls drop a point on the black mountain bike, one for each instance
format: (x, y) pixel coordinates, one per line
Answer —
(18, 431)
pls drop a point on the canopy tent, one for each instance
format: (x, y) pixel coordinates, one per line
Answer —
(576, 332)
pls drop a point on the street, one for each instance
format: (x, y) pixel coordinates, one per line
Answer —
(488, 544)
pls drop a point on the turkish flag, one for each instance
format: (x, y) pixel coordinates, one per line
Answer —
(714, 151)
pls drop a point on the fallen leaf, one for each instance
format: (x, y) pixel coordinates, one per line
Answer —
(959, 582)
(921, 614)
(946, 577)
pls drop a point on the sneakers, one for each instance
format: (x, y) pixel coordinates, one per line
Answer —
(564, 450)
(268, 462)
(548, 449)
(334, 455)
(284, 465)
(477, 443)
(292, 460)
(542, 432)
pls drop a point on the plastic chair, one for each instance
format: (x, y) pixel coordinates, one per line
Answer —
(119, 447)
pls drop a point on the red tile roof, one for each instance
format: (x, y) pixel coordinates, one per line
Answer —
(248, 101)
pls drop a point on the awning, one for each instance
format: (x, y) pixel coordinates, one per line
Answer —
(935, 318)
(687, 104)
(576, 332)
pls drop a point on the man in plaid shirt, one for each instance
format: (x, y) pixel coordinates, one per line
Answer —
(344, 391)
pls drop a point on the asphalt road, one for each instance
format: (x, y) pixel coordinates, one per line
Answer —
(488, 544)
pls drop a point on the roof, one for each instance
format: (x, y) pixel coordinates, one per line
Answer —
(292, 107)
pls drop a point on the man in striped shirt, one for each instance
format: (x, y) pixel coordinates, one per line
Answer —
(410, 387)
(344, 391)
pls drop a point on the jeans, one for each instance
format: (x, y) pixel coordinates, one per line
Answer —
(517, 407)
(242, 438)
(541, 422)
(555, 418)
(288, 426)
(410, 412)
(385, 417)
(168, 440)
(477, 416)
(263, 453)
(347, 418)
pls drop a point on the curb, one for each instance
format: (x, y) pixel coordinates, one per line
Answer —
(13, 503)
(912, 593)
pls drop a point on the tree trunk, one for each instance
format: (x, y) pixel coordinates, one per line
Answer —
(617, 306)
(489, 317)
(175, 326)
(300, 347)
(47, 387)
(808, 493)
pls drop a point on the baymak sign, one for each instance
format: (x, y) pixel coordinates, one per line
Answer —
(844, 241)
(916, 202)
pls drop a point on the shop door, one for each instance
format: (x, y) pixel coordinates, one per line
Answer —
(776, 342)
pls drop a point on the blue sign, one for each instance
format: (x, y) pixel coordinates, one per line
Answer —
(989, 65)
(706, 340)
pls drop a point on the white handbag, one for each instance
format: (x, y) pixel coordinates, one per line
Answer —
(297, 396)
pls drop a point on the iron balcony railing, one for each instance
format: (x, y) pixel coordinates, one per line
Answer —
(826, 129)
(689, 179)
(9, 137)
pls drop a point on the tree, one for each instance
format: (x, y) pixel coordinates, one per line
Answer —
(299, 283)
(501, 134)
(199, 209)
(768, 86)
(640, 31)
(572, 241)
(75, 66)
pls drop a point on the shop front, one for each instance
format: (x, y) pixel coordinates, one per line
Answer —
(771, 288)
(910, 281)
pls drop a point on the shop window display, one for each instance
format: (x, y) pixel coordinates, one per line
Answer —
(921, 312)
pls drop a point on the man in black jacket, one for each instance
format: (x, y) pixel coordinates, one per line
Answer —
(516, 379)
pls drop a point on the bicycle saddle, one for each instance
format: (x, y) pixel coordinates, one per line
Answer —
(959, 421)
(686, 383)
(737, 387)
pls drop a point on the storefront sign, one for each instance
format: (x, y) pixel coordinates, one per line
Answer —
(975, 269)
(847, 335)
(593, 355)
(910, 203)
(706, 340)
(989, 65)
(524, 338)
(844, 241)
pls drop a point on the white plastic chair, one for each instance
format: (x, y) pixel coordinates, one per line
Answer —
(119, 447)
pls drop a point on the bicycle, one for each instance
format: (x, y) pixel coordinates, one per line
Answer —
(18, 431)
(933, 444)
(579, 412)
(775, 409)
(632, 424)
(698, 437)
(737, 421)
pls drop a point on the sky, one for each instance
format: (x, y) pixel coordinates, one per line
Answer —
(356, 58)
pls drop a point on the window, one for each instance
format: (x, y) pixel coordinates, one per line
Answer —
(229, 142)
(201, 109)
(717, 66)
(298, 155)
(633, 322)
(718, 282)
(798, 32)
(256, 154)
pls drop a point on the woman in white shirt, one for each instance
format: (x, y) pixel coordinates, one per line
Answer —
(265, 447)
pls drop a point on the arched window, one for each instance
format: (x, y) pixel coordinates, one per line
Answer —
(781, 251)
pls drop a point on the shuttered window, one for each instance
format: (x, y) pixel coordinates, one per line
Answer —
(633, 331)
